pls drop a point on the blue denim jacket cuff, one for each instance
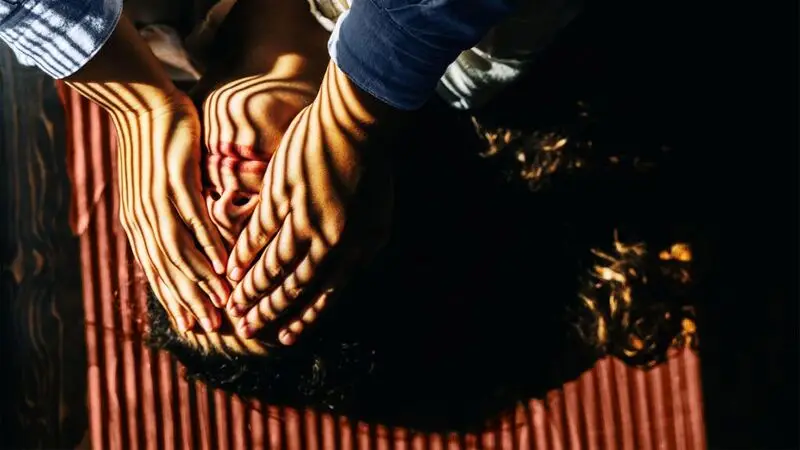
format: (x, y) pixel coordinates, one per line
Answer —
(385, 60)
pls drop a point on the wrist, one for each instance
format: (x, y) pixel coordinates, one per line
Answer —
(350, 104)
(129, 98)
(133, 99)
(125, 76)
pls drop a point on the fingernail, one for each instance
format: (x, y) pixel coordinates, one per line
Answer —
(213, 297)
(180, 322)
(286, 337)
(236, 274)
(206, 323)
(219, 268)
(218, 302)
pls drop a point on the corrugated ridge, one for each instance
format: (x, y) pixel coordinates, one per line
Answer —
(138, 400)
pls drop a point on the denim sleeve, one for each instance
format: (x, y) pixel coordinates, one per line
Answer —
(58, 36)
(398, 49)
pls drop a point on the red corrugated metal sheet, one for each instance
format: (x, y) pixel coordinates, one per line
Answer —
(138, 400)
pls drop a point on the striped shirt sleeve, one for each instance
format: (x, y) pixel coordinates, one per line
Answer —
(58, 36)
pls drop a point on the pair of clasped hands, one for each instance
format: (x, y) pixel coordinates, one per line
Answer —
(324, 203)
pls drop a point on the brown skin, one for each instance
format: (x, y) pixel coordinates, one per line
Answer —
(159, 135)
(324, 205)
(250, 96)
(161, 208)
(248, 99)
(323, 211)
(225, 339)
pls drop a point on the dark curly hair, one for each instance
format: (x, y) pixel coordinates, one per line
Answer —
(317, 371)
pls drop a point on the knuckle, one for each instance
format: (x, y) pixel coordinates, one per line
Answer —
(271, 270)
(310, 315)
(238, 101)
(251, 292)
(259, 240)
(292, 288)
(279, 300)
(265, 309)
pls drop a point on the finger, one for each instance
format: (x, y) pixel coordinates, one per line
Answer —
(191, 208)
(264, 313)
(261, 228)
(280, 299)
(187, 292)
(288, 335)
(269, 214)
(270, 307)
(164, 293)
(184, 255)
(182, 319)
(277, 261)
(158, 267)
(192, 298)
(307, 278)
(176, 245)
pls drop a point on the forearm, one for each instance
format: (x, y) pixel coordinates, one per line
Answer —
(124, 76)
(346, 107)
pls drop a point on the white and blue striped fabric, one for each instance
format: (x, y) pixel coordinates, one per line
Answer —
(58, 36)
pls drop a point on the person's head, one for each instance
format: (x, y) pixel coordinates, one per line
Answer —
(318, 371)
(232, 182)
(245, 121)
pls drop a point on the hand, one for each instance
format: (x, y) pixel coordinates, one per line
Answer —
(267, 70)
(161, 210)
(244, 121)
(324, 209)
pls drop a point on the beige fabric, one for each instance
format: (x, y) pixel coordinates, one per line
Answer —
(166, 44)
(500, 59)
(478, 74)
(505, 54)
(328, 11)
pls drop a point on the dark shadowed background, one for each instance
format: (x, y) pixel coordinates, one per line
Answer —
(718, 86)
